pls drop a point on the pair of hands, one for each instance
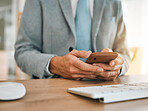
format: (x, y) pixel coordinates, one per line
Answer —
(71, 67)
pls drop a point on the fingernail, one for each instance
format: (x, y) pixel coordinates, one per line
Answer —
(116, 67)
(95, 64)
(113, 63)
(90, 51)
(93, 75)
(100, 70)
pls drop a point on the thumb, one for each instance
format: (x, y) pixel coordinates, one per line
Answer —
(81, 54)
(107, 50)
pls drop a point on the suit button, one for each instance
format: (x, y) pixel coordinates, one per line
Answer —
(70, 49)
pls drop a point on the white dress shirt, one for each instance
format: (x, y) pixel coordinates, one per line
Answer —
(74, 6)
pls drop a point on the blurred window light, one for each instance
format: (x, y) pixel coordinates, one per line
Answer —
(136, 20)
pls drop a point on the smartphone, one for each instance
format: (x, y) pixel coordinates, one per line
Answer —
(101, 57)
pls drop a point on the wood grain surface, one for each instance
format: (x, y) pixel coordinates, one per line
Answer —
(51, 95)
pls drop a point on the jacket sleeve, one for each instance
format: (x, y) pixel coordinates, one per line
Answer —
(28, 47)
(120, 43)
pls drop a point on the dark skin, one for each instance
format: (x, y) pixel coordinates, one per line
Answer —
(71, 67)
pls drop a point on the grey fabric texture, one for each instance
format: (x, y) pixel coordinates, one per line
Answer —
(47, 29)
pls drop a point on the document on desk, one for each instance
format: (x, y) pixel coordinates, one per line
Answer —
(113, 93)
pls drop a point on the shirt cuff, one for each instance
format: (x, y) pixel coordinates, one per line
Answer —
(47, 73)
(123, 70)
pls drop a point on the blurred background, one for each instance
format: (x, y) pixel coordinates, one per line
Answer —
(135, 17)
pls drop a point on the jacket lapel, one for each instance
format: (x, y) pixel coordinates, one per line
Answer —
(98, 13)
(67, 11)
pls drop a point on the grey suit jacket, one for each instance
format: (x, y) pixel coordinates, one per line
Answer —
(47, 29)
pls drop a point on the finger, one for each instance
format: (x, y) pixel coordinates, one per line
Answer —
(87, 67)
(81, 54)
(108, 79)
(108, 74)
(76, 70)
(118, 61)
(107, 50)
(78, 76)
(107, 66)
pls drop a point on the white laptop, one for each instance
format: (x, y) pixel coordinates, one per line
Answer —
(113, 93)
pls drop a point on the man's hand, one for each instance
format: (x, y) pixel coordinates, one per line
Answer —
(111, 70)
(70, 66)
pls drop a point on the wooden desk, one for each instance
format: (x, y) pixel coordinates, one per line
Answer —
(51, 95)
